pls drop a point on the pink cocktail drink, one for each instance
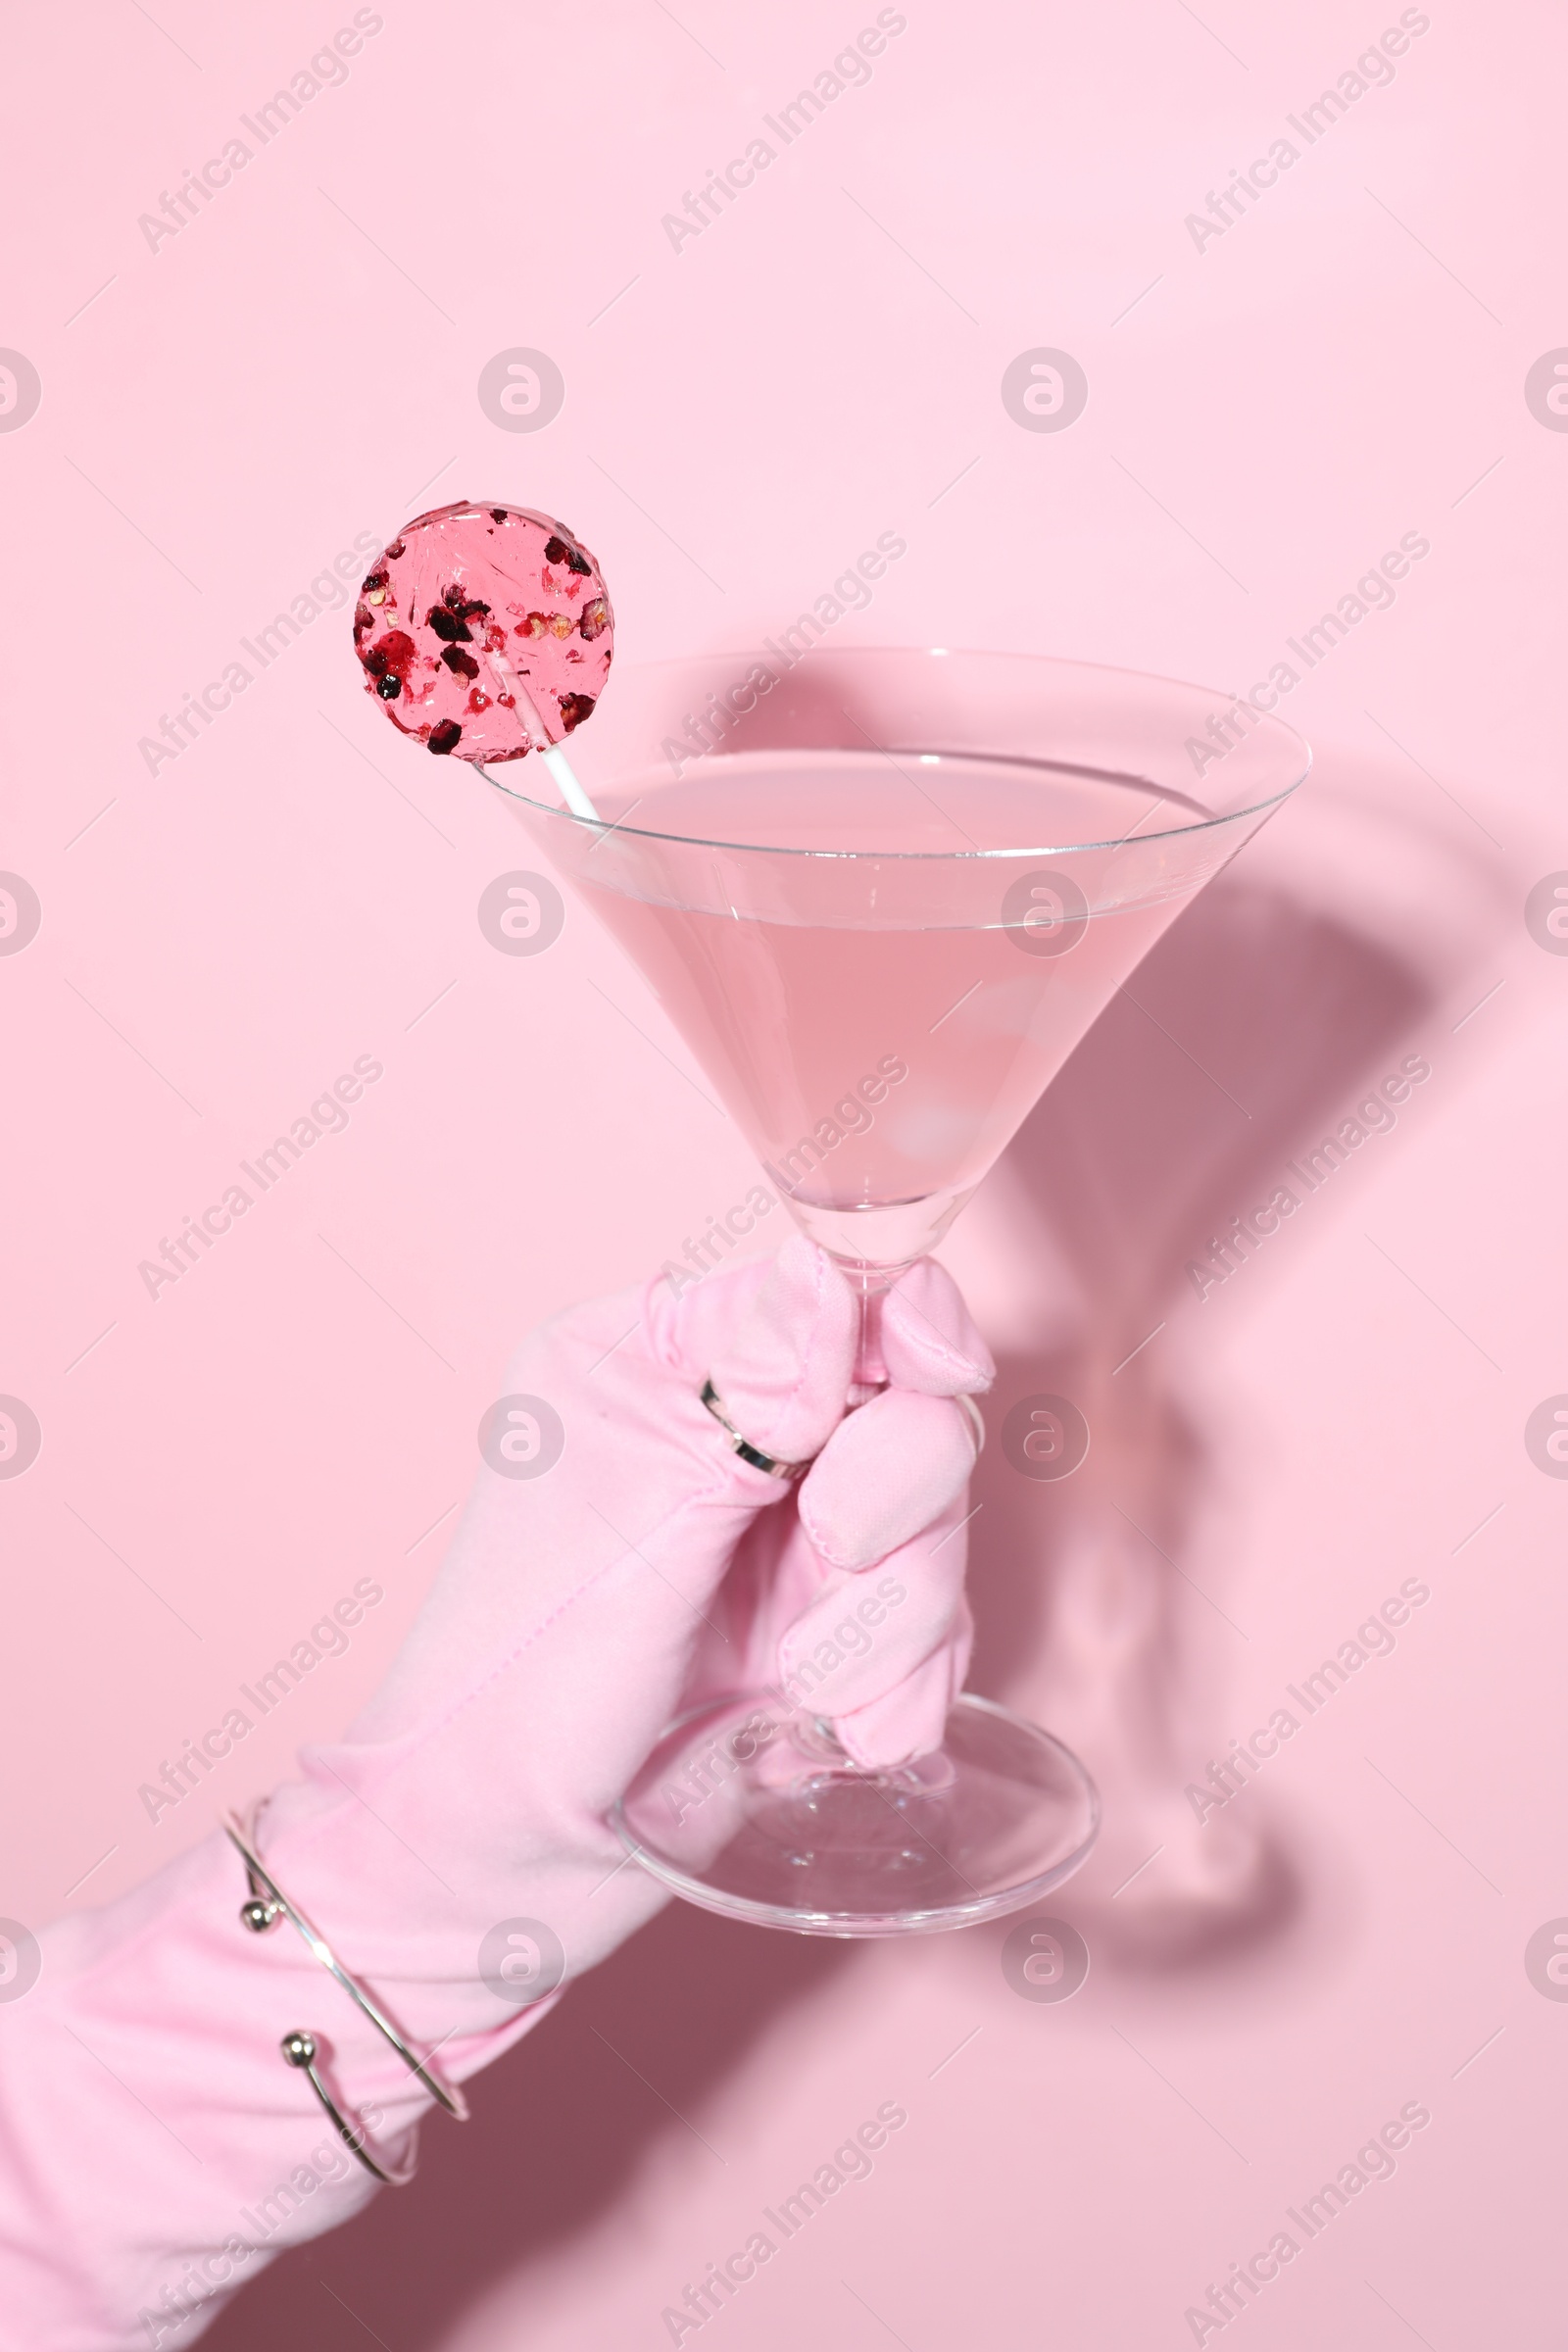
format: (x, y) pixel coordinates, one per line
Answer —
(877, 1049)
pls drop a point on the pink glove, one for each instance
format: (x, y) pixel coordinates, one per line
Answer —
(581, 1605)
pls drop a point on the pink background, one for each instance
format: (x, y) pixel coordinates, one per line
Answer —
(1345, 363)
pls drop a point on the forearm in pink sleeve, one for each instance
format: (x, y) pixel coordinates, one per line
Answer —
(156, 2152)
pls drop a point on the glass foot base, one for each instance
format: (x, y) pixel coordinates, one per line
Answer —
(760, 1816)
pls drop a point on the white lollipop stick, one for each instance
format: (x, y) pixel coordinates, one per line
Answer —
(554, 758)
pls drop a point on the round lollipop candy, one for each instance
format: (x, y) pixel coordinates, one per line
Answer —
(486, 631)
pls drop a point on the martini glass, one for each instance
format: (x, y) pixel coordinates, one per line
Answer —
(882, 895)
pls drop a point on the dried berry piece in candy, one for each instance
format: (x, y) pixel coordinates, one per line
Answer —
(395, 651)
(467, 607)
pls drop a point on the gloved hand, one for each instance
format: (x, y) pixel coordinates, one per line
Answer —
(155, 2151)
(584, 1604)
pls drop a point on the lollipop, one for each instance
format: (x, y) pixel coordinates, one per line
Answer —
(486, 632)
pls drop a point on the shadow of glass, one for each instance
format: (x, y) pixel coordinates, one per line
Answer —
(1251, 1032)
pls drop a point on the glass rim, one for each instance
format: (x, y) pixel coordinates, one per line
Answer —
(603, 827)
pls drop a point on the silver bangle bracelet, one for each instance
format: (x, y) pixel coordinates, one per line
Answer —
(266, 1906)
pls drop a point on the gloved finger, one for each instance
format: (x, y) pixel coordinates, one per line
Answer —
(910, 1719)
(889, 1470)
(864, 1634)
(928, 1340)
(777, 1339)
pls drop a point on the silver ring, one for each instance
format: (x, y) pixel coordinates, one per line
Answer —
(743, 1446)
(777, 1469)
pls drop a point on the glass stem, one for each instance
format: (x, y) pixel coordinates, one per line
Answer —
(869, 1370)
(872, 1285)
